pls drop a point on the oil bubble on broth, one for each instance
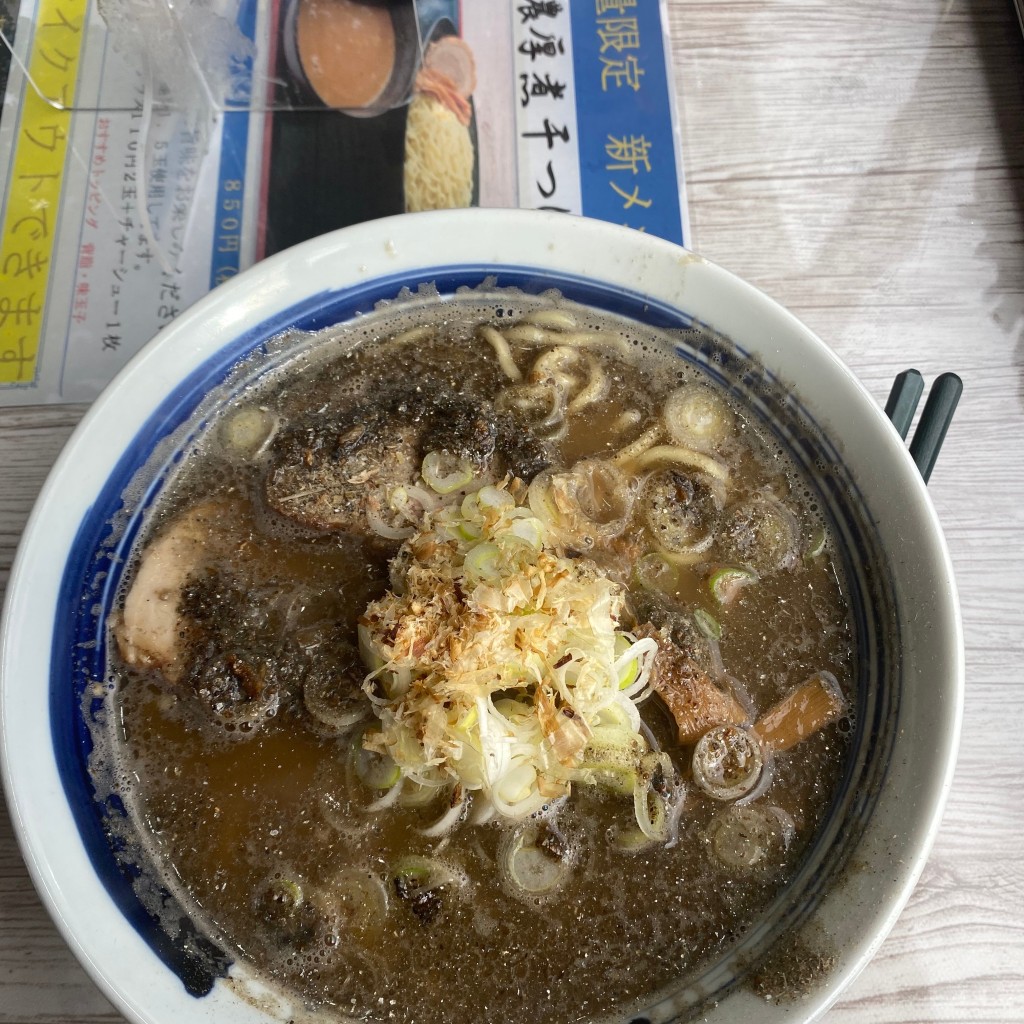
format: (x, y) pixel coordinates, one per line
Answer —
(483, 660)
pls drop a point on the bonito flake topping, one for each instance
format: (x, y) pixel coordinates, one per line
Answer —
(496, 657)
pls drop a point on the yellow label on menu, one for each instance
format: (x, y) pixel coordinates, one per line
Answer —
(34, 186)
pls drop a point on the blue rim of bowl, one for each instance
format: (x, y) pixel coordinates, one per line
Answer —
(105, 537)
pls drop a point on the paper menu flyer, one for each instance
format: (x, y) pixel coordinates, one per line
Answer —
(131, 188)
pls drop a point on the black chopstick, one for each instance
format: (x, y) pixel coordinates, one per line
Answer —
(934, 422)
(906, 392)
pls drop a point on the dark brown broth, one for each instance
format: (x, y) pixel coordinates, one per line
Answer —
(229, 814)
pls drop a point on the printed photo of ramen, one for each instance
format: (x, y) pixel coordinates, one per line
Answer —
(372, 115)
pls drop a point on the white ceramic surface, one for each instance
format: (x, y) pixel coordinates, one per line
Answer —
(853, 918)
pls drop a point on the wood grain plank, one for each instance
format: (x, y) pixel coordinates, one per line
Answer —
(40, 980)
(30, 441)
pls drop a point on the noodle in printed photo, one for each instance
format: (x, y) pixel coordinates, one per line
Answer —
(439, 154)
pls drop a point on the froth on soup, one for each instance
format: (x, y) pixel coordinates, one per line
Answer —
(486, 662)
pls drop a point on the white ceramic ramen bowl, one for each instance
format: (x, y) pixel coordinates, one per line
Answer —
(871, 850)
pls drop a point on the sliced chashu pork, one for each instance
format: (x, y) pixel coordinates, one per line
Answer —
(329, 477)
(149, 633)
(340, 474)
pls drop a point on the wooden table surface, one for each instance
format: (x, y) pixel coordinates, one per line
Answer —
(863, 163)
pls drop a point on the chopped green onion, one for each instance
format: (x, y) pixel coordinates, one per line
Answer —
(495, 498)
(681, 510)
(726, 583)
(615, 778)
(630, 840)
(534, 861)
(369, 650)
(611, 758)
(620, 742)
(750, 838)
(651, 814)
(468, 531)
(286, 892)
(334, 701)
(761, 533)
(707, 624)
(378, 771)
(728, 761)
(445, 473)
(283, 903)
(483, 560)
(628, 672)
(655, 778)
(627, 677)
(529, 529)
(542, 684)
(697, 417)
(415, 870)
(361, 900)
(516, 785)
(816, 545)
(613, 715)
(469, 719)
(420, 883)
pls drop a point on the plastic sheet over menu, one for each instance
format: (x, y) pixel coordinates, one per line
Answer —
(150, 150)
